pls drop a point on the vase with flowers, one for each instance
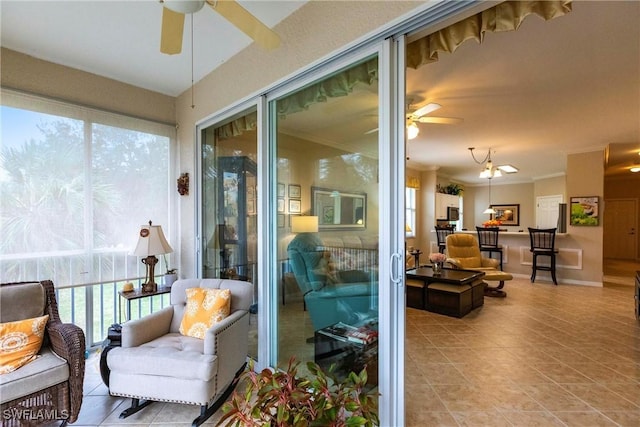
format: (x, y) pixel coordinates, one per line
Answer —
(437, 262)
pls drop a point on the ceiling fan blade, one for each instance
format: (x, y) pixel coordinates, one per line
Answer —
(246, 22)
(429, 108)
(440, 120)
(172, 30)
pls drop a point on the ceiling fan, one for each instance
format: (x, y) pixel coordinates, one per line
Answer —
(420, 116)
(173, 13)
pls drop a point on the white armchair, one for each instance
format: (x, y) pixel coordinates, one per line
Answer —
(158, 363)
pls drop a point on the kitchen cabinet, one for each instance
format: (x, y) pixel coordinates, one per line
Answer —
(444, 201)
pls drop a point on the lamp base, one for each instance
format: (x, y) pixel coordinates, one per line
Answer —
(151, 285)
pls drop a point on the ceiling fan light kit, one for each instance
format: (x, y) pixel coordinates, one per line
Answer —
(412, 130)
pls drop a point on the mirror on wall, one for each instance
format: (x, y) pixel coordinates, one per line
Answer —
(339, 210)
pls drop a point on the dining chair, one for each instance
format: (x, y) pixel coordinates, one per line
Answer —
(543, 244)
(442, 231)
(488, 241)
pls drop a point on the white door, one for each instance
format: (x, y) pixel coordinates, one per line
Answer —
(547, 210)
(620, 234)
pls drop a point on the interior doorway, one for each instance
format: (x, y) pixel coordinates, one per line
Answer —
(547, 211)
(620, 234)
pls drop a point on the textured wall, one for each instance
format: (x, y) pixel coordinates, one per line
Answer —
(29, 74)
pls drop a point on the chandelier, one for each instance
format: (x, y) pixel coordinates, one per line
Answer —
(489, 170)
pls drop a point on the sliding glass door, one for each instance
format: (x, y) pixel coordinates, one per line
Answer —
(326, 207)
(229, 204)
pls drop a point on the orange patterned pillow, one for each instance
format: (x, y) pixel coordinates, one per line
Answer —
(205, 307)
(20, 342)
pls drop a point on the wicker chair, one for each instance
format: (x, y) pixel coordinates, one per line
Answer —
(51, 385)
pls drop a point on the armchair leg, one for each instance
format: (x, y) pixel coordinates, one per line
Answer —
(207, 411)
(135, 407)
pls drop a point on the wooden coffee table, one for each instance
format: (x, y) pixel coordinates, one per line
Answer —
(451, 292)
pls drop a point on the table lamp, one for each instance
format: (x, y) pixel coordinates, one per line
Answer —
(304, 224)
(151, 242)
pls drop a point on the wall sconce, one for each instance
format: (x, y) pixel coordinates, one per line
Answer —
(183, 184)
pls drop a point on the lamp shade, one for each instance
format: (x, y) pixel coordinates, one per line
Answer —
(151, 241)
(304, 224)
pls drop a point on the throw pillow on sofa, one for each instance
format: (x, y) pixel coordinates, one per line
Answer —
(20, 342)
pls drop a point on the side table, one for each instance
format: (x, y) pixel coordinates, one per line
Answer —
(113, 340)
(137, 294)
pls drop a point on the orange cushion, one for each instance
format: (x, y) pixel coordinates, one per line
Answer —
(20, 342)
(205, 307)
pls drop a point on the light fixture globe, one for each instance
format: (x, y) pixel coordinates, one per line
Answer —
(412, 130)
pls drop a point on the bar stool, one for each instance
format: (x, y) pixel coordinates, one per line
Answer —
(488, 241)
(442, 231)
(543, 242)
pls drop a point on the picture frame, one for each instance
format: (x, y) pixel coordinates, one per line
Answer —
(295, 191)
(281, 205)
(507, 214)
(295, 206)
(280, 220)
(251, 207)
(584, 211)
(281, 189)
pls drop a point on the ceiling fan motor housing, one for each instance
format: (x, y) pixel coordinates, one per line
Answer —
(184, 6)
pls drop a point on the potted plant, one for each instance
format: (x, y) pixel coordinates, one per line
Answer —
(282, 398)
(171, 275)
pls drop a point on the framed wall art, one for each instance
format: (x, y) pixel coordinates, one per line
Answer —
(507, 214)
(294, 206)
(584, 210)
(294, 191)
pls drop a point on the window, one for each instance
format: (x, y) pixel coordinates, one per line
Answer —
(76, 186)
(410, 212)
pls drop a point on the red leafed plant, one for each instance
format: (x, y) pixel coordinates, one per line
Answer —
(282, 398)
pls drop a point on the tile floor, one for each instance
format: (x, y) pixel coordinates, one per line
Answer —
(543, 356)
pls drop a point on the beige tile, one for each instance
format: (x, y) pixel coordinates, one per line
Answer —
(624, 418)
(561, 373)
(430, 419)
(602, 398)
(464, 398)
(532, 419)
(584, 418)
(554, 398)
(481, 418)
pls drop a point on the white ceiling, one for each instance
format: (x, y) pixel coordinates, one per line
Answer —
(121, 39)
(551, 88)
